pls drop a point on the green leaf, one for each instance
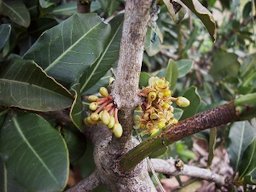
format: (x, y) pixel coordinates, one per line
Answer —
(212, 143)
(250, 178)
(103, 82)
(248, 161)
(76, 144)
(16, 11)
(66, 9)
(171, 73)
(5, 31)
(204, 15)
(70, 48)
(177, 113)
(107, 59)
(192, 95)
(241, 136)
(23, 84)
(48, 3)
(35, 154)
(184, 67)
(144, 77)
(225, 64)
(153, 40)
(76, 112)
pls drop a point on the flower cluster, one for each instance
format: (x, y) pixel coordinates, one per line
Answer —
(103, 110)
(156, 111)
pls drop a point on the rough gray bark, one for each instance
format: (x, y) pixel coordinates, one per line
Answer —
(125, 89)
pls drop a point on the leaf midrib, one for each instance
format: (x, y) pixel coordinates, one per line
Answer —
(18, 128)
(71, 47)
(16, 13)
(31, 85)
(100, 59)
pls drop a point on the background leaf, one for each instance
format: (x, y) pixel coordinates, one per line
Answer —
(171, 73)
(184, 67)
(203, 14)
(5, 31)
(192, 95)
(27, 139)
(144, 77)
(23, 84)
(248, 163)
(16, 11)
(107, 59)
(225, 64)
(241, 136)
(76, 144)
(70, 48)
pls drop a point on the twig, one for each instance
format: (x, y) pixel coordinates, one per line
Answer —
(87, 184)
(168, 167)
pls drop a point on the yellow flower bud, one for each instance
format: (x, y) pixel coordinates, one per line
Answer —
(111, 122)
(165, 105)
(167, 93)
(89, 121)
(103, 91)
(92, 98)
(154, 116)
(105, 117)
(161, 124)
(94, 116)
(182, 102)
(93, 106)
(118, 130)
(151, 96)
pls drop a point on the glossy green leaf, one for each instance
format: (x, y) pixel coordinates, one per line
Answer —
(16, 11)
(184, 67)
(250, 178)
(76, 112)
(66, 9)
(248, 161)
(211, 147)
(25, 85)
(225, 64)
(144, 77)
(203, 14)
(107, 59)
(171, 73)
(192, 95)
(70, 48)
(108, 7)
(35, 154)
(103, 82)
(5, 31)
(76, 144)
(241, 136)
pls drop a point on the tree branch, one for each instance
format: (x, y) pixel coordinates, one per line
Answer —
(208, 119)
(125, 88)
(168, 167)
(87, 184)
